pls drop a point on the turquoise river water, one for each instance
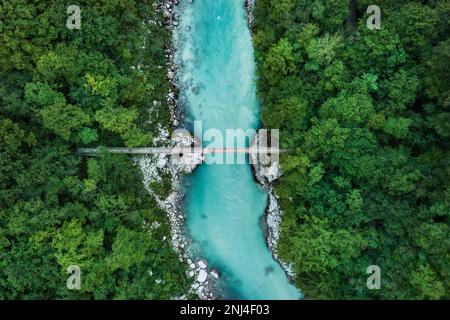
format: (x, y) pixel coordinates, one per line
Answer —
(224, 205)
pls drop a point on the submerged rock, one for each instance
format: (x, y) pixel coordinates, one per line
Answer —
(215, 273)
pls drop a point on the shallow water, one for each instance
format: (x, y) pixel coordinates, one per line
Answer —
(224, 205)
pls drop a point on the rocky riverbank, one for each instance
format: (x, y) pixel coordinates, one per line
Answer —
(249, 6)
(155, 168)
(266, 175)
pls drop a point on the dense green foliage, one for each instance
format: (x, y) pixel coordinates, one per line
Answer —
(61, 89)
(366, 116)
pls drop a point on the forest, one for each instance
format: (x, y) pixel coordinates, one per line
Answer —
(60, 89)
(365, 115)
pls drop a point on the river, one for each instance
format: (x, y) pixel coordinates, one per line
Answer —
(224, 204)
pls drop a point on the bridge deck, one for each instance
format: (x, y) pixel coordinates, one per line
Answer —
(181, 150)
